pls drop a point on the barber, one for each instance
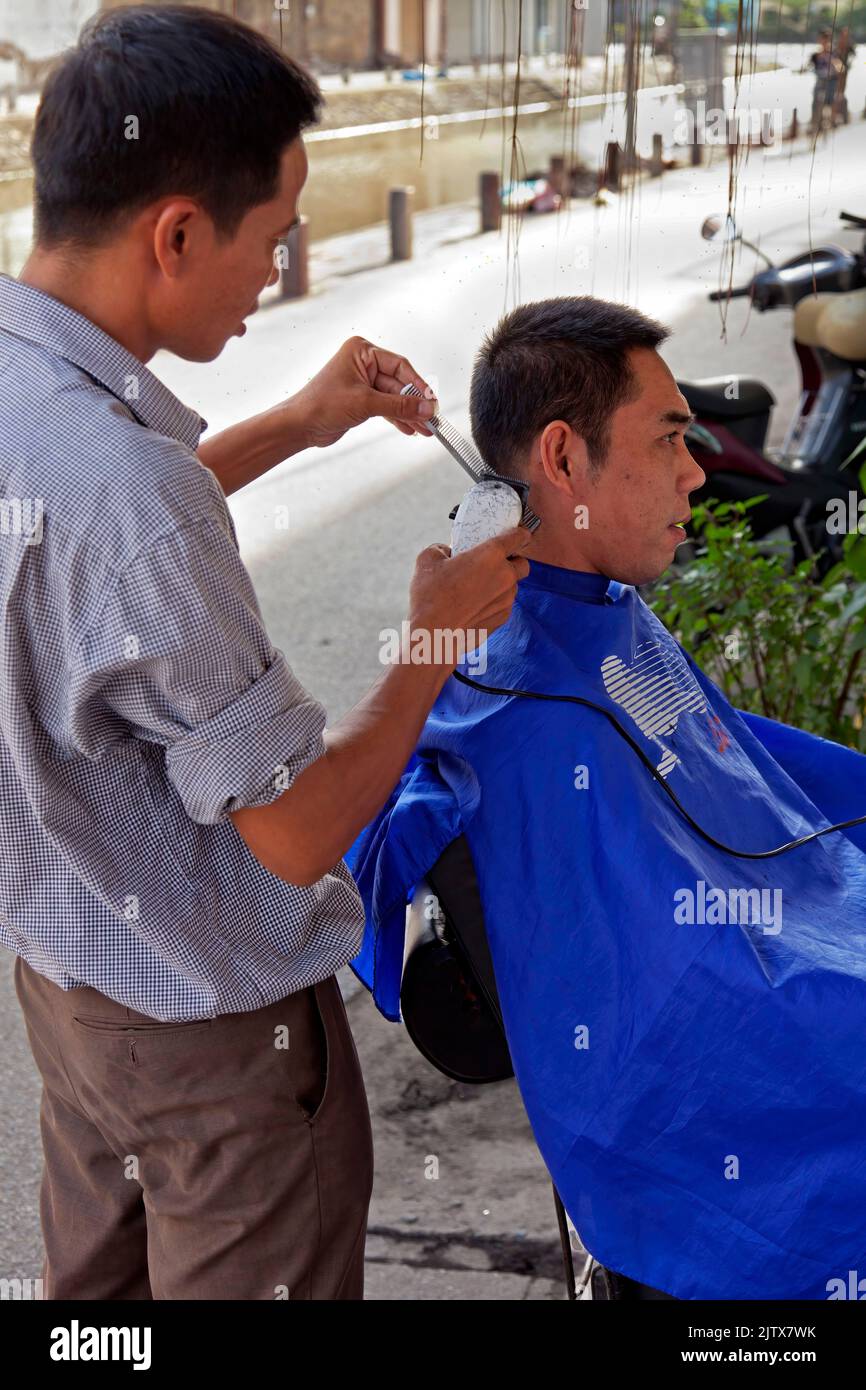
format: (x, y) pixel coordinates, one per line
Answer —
(173, 810)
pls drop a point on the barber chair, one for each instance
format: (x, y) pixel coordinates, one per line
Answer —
(450, 1008)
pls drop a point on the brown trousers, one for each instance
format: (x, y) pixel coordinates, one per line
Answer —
(228, 1158)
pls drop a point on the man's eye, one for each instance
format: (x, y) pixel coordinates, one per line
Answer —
(674, 434)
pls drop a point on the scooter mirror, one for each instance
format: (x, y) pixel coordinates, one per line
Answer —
(713, 225)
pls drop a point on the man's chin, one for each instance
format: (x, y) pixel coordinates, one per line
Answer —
(639, 574)
(207, 351)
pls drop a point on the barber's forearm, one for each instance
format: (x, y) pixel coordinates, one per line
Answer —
(243, 452)
(367, 751)
(314, 823)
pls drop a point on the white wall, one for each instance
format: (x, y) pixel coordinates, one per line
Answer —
(475, 28)
(43, 27)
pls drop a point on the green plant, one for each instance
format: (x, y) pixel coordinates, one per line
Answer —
(778, 641)
(691, 15)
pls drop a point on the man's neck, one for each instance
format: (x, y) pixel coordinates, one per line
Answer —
(97, 286)
(552, 549)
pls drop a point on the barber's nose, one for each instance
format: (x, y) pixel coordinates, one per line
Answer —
(274, 275)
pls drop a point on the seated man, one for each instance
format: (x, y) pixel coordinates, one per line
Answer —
(686, 1014)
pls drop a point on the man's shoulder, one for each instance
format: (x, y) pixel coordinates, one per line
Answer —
(98, 471)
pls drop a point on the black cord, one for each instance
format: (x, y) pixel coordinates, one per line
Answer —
(717, 844)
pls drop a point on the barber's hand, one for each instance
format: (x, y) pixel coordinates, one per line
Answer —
(473, 590)
(360, 381)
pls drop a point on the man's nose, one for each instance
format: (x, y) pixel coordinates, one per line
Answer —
(696, 476)
(275, 272)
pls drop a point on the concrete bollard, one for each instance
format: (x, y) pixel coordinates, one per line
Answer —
(491, 208)
(657, 161)
(400, 221)
(795, 125)
(295, 277)
(612, 170)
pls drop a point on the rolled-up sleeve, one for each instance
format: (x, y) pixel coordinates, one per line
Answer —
(179, 656)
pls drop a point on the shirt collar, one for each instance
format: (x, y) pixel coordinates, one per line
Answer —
(33, 314)
(590, 588)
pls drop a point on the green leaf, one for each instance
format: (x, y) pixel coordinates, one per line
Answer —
(803, 668)
(854, 551)
(857, 604)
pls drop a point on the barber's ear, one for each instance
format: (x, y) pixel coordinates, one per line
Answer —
(174, 234)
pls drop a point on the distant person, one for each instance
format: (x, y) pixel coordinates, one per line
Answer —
(845, 50)
(827, 68)
(9, 74)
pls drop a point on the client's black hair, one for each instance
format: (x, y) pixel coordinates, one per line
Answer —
(557, 359)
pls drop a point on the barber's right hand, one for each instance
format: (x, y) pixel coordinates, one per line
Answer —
(473, 590)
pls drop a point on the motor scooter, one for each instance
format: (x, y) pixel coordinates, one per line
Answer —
(825, 442)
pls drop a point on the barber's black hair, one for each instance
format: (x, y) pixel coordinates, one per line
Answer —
(556, 359)
(215, 105)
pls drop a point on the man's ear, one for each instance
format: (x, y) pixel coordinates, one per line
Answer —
(179, 225)
(564, 459)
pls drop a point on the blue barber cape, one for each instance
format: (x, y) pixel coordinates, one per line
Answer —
(688, 1029)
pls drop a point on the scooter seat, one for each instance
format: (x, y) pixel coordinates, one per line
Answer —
(807, 318)
(713, 396)
(835, 322)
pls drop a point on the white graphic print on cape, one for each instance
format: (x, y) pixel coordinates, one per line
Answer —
(654, 690)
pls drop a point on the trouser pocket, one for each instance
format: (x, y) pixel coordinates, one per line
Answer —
(309, 1050)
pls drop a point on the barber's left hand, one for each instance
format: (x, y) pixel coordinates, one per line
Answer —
(361, 381)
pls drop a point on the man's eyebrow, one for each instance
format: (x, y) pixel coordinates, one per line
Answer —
(676, 417)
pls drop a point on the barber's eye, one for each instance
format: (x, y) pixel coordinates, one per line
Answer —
(674, 434)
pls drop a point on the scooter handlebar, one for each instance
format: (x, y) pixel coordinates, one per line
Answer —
(739, 293)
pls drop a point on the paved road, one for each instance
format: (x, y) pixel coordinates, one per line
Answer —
(330, 582)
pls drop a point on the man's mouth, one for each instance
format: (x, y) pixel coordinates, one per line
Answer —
(242, 328)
